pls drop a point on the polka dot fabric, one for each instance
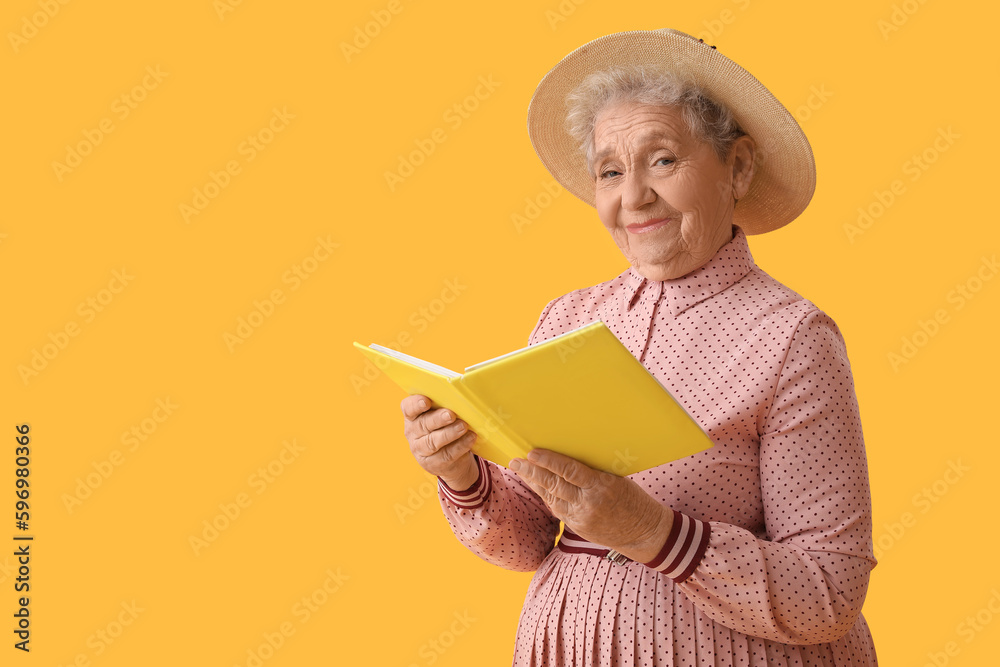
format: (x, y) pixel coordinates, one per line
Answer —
(784, 490)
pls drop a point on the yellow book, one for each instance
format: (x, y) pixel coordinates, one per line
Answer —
(581, 394)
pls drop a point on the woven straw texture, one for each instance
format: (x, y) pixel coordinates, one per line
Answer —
(785, 173)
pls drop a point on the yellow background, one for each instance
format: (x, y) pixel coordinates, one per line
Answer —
(404, 584)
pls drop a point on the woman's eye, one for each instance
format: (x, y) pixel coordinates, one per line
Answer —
(667, 160)
(609, 173)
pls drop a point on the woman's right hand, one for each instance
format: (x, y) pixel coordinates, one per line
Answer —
(441, 443)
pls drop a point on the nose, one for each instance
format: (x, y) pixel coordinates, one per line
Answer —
(637, 191)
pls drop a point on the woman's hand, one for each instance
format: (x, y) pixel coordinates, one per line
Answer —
(606, 509)
(440, 442)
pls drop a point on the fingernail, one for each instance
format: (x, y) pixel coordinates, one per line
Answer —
(515, 465)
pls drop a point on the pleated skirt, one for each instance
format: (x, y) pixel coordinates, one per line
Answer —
(584, 611)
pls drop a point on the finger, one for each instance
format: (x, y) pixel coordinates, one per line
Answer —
(428, 422)
(558, 506)
(434, 419)
(431, 443)
(414, 405)
(438, 419)
(456, 449)
(554, 485)
(441, 417)
(574, 472)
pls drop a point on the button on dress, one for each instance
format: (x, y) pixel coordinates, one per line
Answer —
(769, 560)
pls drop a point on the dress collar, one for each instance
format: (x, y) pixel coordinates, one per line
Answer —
(727, 266)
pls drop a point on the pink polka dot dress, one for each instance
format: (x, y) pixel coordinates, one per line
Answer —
(770, 553)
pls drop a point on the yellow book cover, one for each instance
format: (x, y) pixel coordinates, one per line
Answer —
(581, 394)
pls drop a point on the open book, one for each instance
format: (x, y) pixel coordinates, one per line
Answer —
(581, 394)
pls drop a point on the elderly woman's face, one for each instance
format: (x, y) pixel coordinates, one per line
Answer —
(664, 196)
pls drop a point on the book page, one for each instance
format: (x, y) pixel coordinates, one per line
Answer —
(420, 363)
(504, 356)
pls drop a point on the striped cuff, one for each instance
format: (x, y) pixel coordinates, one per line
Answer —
(476, 494)
(683, 549)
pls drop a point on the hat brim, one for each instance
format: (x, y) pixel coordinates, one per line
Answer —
(784, 170)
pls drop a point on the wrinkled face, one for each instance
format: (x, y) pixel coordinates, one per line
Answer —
(664, 196)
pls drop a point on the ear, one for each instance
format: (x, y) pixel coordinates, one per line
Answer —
(742, 159)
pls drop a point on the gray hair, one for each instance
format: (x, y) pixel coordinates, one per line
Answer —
(706, 120)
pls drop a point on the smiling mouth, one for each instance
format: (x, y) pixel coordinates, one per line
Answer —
(648, 226)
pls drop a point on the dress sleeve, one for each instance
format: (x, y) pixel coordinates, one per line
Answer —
(499, 518)
(805, 581)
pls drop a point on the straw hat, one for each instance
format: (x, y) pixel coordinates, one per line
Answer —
(785, 174)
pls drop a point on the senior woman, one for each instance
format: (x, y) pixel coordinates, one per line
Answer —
(758, 550)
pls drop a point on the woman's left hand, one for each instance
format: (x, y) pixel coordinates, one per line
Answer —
(606, 509)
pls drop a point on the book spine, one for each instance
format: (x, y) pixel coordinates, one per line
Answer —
(497, 431)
